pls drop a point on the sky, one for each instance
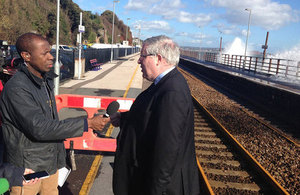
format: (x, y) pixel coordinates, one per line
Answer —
(201, 23)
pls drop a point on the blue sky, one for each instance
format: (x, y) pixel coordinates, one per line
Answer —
(201, 23)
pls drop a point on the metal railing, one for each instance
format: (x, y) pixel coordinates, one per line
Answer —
(67, 58)
(281, 68)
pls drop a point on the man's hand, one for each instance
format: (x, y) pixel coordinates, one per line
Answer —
(9, 71)
(31, 182)
(115, 119)
(97, 122)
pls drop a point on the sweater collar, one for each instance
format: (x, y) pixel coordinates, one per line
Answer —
(36, 80)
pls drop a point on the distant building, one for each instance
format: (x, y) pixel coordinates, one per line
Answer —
(136, 42)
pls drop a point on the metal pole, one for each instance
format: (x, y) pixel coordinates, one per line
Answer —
(221, 50)
(247, 37)
(200, 39)
(126, 36)
(266, 45)
(220, 43)
(56, 68)
(127, 28)
(112, 34)
(79, 55)
(140, 35)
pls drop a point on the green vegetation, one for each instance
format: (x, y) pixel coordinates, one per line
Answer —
(18, 17)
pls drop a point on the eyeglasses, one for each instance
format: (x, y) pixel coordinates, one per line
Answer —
(145, 55)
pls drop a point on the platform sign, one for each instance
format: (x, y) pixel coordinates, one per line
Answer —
(81, 28)
(125, 43)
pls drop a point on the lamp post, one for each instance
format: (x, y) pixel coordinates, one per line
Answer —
(57, 65)
(80, 46)
(112, 34)
(139, 34)
(126, 36)
(200, 38)
(247, 9)
(127, 28)
(220, 47)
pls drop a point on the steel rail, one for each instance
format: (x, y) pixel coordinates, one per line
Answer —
(257, 169)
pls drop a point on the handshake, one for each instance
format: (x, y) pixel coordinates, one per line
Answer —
(98, 122)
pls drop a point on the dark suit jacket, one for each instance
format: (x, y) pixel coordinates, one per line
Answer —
(155, 149)
(12, 173)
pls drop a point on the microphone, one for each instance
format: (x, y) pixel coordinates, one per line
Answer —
(4, 185)
(112, 108)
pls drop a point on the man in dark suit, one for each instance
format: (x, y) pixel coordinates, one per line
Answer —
(155, 147)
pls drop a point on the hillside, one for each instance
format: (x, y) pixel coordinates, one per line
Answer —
(18, 17)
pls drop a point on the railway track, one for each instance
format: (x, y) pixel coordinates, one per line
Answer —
(226, 167)
(265, 122)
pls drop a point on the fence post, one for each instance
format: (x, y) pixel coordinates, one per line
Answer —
(245, 63)
(255, 64)
(222, 59)
(250, 63)
(277, 69)
(228, 60)
(287, 69)
(235, 61)
(270, 64)
(215, 58)
(298, 70)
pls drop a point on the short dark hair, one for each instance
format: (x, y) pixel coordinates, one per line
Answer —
(24, 42)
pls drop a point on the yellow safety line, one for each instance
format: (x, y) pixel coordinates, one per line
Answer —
(129, 84)
(90, 178)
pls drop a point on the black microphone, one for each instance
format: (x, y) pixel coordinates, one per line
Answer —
(112, 108)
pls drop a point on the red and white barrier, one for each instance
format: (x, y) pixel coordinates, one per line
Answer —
(91, 104)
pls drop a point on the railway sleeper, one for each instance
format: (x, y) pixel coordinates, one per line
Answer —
(210, 133)
(227, 172)
(210, 139)
(216, 161)
(224, 154)
(239, 186)
(219, 146)
(199, 120)
(202, 128)
(217, 157)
